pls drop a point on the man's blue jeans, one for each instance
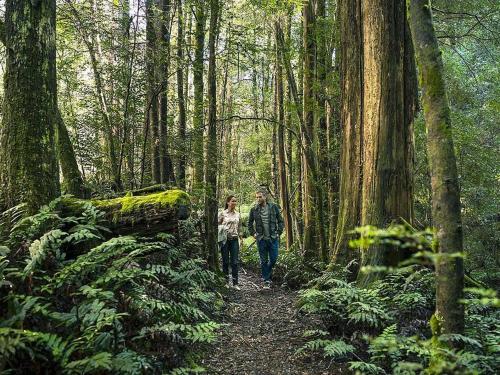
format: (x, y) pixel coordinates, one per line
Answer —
(268, 252)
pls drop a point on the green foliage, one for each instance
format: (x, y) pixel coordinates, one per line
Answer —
(81, 304)
(387, 324)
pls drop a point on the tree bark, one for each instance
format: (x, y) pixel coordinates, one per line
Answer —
(29, 169)
(166, 165)
(198, 115)
(181, 175)
(387, 193)
(351, 61)
(72, 178)
(314, 239)
(446, 214)
(378, 98)
(211, 144)
(283, 183)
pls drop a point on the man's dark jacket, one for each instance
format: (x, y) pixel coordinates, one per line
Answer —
(276, 223)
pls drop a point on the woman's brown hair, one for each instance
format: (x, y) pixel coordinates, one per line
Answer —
(228, 199)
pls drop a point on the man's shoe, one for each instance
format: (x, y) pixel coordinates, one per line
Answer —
(236, 287)
(267, 285)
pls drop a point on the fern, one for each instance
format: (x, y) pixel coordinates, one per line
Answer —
(13, 340)
(79, 313)
(360, 367)
(40, 249)
(97, 362)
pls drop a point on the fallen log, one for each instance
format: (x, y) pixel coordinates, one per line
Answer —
(142, 215)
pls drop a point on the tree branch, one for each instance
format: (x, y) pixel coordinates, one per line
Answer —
(2, 31)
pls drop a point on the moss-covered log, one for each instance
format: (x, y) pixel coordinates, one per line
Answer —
(147, 214)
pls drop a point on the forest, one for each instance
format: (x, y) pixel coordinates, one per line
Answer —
(341, 157)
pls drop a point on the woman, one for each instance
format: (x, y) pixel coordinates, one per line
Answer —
(230, 221)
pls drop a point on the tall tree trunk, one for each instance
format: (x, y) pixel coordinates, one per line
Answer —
(211, 144)
(152, 100)
(314, 240)
(181, 176)
(321, 132)
(72, 178)
(333, 131)
(351, 60)
(446, 215)
(387, 194)
(198, 123)
(166, 166)
(283, 183)
(274, 143)
(378, 103)
(29, 170)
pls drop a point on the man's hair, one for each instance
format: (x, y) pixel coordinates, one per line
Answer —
(262, 191)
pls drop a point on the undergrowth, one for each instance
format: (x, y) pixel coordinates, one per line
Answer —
(290, 270)
(75, 300)
(384, 329)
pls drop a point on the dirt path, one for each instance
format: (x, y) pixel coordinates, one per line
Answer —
(263, 333)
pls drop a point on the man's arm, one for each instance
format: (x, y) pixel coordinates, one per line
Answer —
(281, 222)
(251, 221)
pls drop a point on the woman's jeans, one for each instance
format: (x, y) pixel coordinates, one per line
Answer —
(230, 251)
(268, 252)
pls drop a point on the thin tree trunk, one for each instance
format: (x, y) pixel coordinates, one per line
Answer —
(181, 176)
(211, 145)
(314, 243)
(152, 109)
(166, 166)
(72, 178)
(198, 123)
(446, 216)
(283, 183)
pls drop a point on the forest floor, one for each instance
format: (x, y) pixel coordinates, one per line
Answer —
(262, 334)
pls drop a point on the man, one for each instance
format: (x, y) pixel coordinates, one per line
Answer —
(266, 224)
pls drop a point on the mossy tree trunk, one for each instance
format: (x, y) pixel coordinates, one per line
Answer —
(198, 123)
(446, 215)
(29, 169)
(211, 144)
(283, 183)
(166, 165)
(181, 171)
(321, 33)
(314, 240)
(72, 178)
(152, 101)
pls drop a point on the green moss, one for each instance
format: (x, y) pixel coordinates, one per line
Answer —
(130, 203)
